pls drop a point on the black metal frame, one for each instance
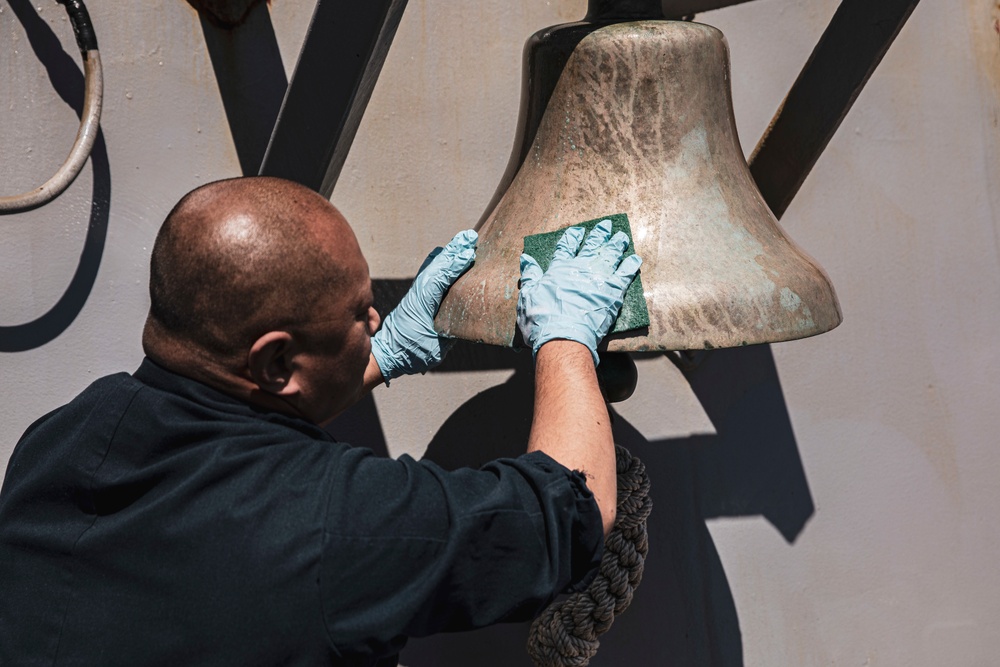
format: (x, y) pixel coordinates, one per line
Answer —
(845, 57)
(347, 44)
(336, 72)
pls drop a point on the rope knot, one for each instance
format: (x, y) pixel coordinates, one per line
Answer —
(565, 633)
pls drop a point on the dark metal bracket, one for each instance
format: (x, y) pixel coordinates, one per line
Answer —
(338, 66)
(845, 57)
(347, 44)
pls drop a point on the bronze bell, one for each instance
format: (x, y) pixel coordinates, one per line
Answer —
(635, 116)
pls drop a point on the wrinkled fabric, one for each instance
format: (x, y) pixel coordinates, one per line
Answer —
(155, 521)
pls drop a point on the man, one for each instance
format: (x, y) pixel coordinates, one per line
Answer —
(196, 513)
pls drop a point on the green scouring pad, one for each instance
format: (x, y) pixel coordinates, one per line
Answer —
(634, 314)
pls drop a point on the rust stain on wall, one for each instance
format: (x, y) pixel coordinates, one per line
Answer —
(984, 22)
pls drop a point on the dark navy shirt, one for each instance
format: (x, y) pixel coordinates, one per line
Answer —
(156, 521)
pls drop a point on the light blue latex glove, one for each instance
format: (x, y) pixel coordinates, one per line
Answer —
(579, 296)
(407, 342)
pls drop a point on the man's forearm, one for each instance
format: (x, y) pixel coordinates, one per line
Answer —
(571, 422)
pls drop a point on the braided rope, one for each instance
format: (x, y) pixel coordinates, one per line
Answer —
(566, 632)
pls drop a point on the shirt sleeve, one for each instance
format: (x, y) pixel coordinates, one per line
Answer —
(411, 549)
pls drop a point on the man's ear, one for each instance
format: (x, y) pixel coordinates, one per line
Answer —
(271, 363)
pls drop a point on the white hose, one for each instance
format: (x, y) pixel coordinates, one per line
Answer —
(85, 137)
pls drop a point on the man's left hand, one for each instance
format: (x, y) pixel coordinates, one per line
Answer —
(407, 342)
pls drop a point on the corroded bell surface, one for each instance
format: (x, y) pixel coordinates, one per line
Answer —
(639, 121)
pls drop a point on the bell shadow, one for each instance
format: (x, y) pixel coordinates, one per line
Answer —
(68, 81)
(683, 612)
(360, 425)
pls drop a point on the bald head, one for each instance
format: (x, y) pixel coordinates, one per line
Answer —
(238, 258)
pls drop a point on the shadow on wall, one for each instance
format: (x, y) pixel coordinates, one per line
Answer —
(68, 81)
(683, 613)
(249, 71)
(252, 82)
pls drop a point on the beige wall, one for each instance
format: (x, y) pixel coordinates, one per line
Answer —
(837, 506)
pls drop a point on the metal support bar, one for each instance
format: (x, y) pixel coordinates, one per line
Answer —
(341, 58)
(850, 49)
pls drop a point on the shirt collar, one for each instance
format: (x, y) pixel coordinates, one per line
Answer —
(156, 376)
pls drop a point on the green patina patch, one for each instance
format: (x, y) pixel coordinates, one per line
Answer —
(634, 314)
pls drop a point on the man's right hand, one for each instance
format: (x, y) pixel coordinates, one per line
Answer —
(579, 296)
